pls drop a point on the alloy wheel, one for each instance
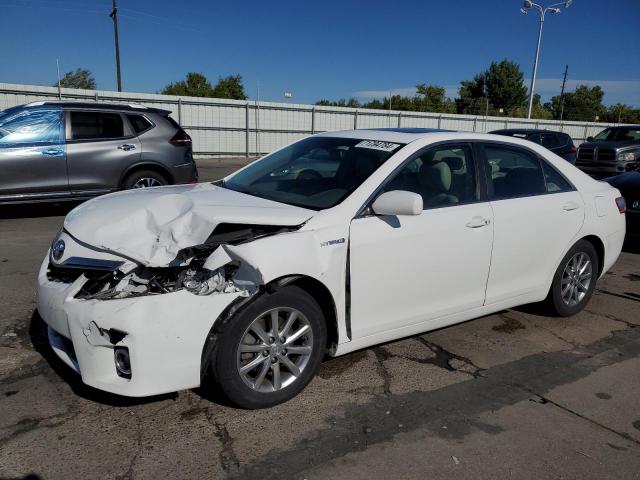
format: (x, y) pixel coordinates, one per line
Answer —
(146, 182)
(275, 349)
(576, 279)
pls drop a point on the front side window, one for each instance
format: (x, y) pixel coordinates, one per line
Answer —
(31, 127)
(315, 173)
(96, 125)
(513, 172)
(442, 175)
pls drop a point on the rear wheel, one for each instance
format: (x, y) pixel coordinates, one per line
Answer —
(574, 280)
(144, 179)
(272, 350)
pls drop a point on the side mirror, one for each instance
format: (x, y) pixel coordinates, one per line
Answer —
(589, 139)
(398, 202)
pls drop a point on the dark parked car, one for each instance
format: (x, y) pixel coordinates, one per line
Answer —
(614, 150)
(74, 150)
(629, 185)
(559, 143)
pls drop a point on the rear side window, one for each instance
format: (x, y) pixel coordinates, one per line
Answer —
(552, 140)
(36, 127)
(96, 125)
(139, 123)
(514, 172)
(555, 182)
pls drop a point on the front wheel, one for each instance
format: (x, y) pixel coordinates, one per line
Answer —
(272, 350)
(574, 280)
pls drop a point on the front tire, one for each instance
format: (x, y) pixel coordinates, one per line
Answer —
(575, 280)
(271, 350)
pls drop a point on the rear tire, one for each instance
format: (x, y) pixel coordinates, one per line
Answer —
(144, 179)
(257, 363)
(574, 281)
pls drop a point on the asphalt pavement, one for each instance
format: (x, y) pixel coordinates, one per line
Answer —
(511, 395)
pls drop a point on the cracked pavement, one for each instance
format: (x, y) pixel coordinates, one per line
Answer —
(515, 394)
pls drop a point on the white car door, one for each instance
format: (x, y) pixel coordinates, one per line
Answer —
(537, 213)
(410, 269)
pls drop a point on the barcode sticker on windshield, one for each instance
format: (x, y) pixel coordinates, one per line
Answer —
(378, 145)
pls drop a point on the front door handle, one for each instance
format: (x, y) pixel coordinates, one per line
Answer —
(126, 147)
(570, 206)
(477, 222)
(52, 152)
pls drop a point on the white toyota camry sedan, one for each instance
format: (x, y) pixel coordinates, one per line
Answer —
(334, 243)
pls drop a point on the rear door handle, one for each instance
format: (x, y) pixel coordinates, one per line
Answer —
(477, 222)
(126, 147)
(570, 206)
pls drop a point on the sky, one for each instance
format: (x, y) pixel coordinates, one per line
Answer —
(329, 49)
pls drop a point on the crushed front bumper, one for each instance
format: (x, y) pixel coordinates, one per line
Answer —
(165, 335)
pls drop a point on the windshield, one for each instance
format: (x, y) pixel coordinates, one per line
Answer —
(315, 173)
(619, 134)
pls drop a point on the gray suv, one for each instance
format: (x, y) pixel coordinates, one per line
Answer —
(75, 150)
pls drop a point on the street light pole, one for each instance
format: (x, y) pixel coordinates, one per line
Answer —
(555, 9)
(114, 16)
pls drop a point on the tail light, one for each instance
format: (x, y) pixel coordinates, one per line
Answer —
(181, 139)
(621, 204)
(573, 149)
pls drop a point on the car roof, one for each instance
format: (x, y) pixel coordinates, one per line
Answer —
(523, 131)
(130, 107)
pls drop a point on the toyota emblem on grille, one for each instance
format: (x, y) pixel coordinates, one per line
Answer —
(58, 250)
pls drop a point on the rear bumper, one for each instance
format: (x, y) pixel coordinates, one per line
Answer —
(165, 335)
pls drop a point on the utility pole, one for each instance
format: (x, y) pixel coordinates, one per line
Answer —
(60, 91)
(564, 81)
(114, 16)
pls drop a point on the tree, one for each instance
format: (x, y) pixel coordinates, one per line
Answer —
(81, 78)
(582, 105)
(502, 84)
(432, 98)
(195, 85)
(621, 113)
(230, 87)
(351, 103)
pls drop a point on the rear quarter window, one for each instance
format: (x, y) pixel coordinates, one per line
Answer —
(139, 123)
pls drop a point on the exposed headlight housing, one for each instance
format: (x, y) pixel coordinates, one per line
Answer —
(627, 156)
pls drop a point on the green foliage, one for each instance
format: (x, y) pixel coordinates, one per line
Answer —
(352, 103)
(621, 113)
(81, 78)
(230, 87)
(428, 98)
(197, 85)
(502, 85)
(582, 105)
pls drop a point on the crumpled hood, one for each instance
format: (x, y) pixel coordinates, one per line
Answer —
(152, 225)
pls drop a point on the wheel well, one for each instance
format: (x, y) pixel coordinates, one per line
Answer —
(321, 294)
(599, 246)
(154, 167)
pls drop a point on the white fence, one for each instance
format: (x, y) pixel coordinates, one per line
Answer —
(221, 127)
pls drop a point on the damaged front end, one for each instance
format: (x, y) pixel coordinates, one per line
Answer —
(211, 267)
